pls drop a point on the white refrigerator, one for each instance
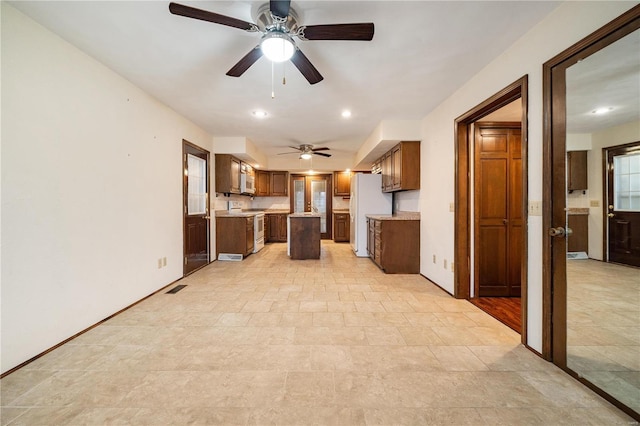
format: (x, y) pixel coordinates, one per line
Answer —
(366, 198)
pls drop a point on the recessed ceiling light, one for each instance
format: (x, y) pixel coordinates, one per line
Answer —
(603, 110)
(346, 113)
(259, 114)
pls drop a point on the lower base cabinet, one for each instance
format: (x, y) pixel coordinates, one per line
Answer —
(394, 245)
(234, 235)
(341, 231)
(275, 228)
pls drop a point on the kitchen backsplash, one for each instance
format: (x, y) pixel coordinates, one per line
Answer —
(266, 203)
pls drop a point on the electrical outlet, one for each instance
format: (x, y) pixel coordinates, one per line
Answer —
(164, 261)
(434, 258)
(445, 263)
(535, 208)
(159, 263)
(594, 203)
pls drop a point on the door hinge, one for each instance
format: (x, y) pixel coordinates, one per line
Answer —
(185, 260)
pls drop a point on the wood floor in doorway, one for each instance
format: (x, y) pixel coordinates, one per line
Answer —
(507, 310)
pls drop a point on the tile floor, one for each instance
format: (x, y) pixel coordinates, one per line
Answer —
(275, 341)
(603, 327)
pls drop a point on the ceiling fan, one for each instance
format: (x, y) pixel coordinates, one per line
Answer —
(306, 151)
(278, 23)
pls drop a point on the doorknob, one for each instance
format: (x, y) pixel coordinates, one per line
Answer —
(611, 215)
(557, 232)
(504, 221)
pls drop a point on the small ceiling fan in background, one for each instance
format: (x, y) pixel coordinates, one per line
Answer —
(278, 23)
(306, 151)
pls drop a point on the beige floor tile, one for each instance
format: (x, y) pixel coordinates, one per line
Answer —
(330, 341)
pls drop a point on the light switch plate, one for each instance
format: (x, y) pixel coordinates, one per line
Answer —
(452, 207)
(535, 208)
(594, 203)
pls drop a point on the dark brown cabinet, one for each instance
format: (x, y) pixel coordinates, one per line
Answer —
(234, 234)
(305, 237)
(342, 184)
(263, 183)
(276, 227)
(394, 245)
(577, 171)
(579, 238)
(227, 174)
(400, 167)
(279, 184)
(341, 228)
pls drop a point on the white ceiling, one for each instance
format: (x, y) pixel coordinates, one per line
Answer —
(610, 78)
(422, 51)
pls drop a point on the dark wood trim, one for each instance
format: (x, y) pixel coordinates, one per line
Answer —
(186, 146)
(436, 284)
(462, 234)
(67, 340)
(554, 300)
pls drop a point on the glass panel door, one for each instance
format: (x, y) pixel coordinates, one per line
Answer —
(319, 201)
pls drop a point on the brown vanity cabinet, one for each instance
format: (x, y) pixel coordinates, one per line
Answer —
(394, 245)
(579, 238)
(234, 234)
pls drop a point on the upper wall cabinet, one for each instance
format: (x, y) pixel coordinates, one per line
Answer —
(263, 183)
(342, 184)
(400, 167)
(577, 171)
(272, 183)
(227, 174)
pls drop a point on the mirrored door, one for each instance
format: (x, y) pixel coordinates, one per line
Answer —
(595, 301)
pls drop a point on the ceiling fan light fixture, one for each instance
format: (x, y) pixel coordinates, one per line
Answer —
(305, 156)
(277, 46)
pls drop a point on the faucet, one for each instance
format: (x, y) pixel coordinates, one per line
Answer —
(314, 209)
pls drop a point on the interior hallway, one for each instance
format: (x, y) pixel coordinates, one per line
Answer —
(329, 341)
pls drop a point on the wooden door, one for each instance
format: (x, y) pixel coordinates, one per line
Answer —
(195, 207)
(623, 204)
(498, 209)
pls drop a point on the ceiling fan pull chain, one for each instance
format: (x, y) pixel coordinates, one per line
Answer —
(273, 92)
(284, 74)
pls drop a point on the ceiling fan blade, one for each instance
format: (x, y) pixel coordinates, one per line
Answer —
(203, 15)
(322, 154)
(285, 153)
(358, 32)
(321, 149)
(295, 147)
(280, 7)
(244, 63)
(306, 67)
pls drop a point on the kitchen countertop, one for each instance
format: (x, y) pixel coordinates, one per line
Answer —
(341, 211)
(225, 213)
(397, 216)
(305, 215)
(276, 211)
(578, 210)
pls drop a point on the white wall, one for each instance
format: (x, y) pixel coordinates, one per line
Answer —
(91, 190)
(569, 23)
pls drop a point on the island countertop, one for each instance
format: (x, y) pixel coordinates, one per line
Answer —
(305, 214)
(397, 216)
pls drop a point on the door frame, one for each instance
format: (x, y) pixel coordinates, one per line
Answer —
(186, 147)
(328, 177)
(554, 282)
(635, 146)
(463, 138)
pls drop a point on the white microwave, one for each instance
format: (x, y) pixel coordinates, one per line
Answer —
(247, 184)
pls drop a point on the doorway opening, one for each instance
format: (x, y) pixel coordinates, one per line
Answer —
(195, 207)
(491, 234)
(313, 193)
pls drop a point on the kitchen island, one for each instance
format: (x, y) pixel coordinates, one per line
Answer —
(303, 236)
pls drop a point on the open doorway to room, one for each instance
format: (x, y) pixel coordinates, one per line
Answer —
(491, 206)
